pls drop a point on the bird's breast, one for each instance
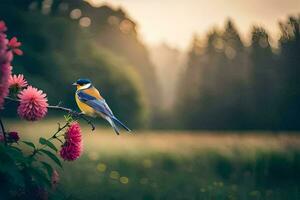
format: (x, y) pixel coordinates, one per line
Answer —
(86, 109)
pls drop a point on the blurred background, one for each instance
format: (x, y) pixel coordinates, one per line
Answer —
(211, 90)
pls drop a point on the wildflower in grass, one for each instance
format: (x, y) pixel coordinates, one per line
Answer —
(54, 179)
(72, 148)
(13, 136)
(1, 137)
(17, 82)
(14, 45)
(33, 104)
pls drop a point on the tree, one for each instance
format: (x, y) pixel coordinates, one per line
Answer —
(290, 69)
(215, 82)
(55, 43)
(264, 81)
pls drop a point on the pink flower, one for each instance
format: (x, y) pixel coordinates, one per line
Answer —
(13, 43)
(72, 148)
(14, 46)
(1, 137)
(5, 72)
(3, 43)
(17, 81)
(33, 104)
(6, 57)
(2, 26)
(13, 136)
(54, 178)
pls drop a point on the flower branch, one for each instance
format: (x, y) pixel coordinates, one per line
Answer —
(54, 136)
(33, 106)
(74, 114)
(68, 110)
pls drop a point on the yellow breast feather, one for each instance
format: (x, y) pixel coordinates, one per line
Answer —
(85, 108)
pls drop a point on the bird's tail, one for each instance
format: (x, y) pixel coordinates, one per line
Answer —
(113, 125)
(118, 122)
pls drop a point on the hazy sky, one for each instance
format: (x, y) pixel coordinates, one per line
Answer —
(175, 21)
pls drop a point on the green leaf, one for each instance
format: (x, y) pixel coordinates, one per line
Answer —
(39, 176)
(16, 148)
(52, 156)
(29, 144)
(9, 166)
(68, 118)
(48, 168)
(16, 154)
(15, 175)
(47, 143)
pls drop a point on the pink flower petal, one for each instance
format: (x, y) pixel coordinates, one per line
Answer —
(72, 148)
(30, 107)
(2, 26)
(18, 52)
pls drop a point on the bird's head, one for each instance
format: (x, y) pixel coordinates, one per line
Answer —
(82, 83)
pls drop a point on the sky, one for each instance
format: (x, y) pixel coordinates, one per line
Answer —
(176, 21)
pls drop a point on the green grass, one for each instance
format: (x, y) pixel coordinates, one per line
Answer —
(205, 175)
(179, 165)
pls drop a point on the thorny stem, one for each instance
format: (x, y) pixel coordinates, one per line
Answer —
(68, 110)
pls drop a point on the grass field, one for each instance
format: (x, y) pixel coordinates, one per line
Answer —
(179, 165)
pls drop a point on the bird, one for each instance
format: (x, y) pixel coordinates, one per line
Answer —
(92, 104)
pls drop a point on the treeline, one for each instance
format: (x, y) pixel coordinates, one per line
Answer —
(228, 85)
(63, 40)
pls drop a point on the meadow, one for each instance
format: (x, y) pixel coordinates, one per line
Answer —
(178, 164)
(229, 75)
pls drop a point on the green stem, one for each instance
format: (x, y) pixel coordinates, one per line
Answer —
(59, 139)
(54, 136)
(58, 130)
(3, 131)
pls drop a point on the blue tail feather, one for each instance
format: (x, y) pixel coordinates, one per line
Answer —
(116, 129)
(113, 125)
(118, 122)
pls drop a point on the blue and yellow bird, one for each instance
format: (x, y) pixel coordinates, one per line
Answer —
(92, 104)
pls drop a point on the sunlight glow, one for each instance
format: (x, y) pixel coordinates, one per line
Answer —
(175, 22)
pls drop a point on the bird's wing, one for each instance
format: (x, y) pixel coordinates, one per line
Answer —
(97, 104)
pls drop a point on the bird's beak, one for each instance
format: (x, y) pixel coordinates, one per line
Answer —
(74, 84)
